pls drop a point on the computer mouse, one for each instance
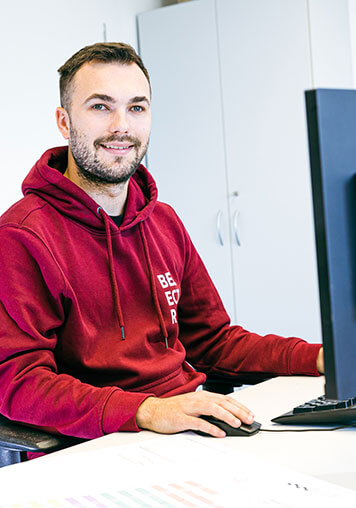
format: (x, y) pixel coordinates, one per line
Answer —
(244, 430)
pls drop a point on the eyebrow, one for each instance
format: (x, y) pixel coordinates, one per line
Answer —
(99, 96)
(140, 98)
(108, 98)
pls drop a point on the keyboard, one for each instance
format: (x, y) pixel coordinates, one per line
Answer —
(321, 411)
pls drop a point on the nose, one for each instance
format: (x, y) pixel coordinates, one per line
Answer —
(119, 122)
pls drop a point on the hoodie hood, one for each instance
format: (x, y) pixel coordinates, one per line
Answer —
(46, 180)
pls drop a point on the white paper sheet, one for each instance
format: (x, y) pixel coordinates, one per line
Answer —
(184, 470)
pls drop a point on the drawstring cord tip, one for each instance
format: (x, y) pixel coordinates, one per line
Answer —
(166, 342)
(122, 332)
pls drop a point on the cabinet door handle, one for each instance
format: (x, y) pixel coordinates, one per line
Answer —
(237, 239)
(218, 227)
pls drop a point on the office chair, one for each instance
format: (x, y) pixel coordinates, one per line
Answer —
(17, 439)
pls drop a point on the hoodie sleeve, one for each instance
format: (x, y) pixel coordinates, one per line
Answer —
(32, 301)
(213, 346)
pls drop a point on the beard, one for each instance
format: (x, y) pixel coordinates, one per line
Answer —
(93, 170)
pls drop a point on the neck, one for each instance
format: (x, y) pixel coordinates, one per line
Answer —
(111, 197)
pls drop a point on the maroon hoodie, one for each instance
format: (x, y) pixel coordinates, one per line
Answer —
(95, 317)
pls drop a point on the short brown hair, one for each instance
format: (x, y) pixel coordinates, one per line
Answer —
(100, 52)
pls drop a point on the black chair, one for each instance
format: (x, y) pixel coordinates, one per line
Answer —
(222, 384)
(16, 439)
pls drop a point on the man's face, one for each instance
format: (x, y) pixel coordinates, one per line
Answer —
(109, 121)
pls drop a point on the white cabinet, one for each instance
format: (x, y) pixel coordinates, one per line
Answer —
(229, 139)
(186, 155)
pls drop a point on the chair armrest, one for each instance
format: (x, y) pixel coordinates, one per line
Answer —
(14, 436)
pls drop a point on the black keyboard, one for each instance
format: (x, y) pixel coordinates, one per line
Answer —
(321, 411)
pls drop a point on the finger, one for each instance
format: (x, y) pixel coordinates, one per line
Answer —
(238, 411)
(208, 403)
(201, 425)
(235, 402)
(221, 399)
(226, 416)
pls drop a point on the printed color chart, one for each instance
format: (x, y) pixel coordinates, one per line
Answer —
(187, 494)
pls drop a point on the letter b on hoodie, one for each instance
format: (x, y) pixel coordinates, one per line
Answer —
(166, 280)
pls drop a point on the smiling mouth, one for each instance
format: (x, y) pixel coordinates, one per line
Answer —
(117, 147)
(122, 149)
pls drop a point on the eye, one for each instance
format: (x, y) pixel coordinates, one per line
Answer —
(99, 107)
(137, 109)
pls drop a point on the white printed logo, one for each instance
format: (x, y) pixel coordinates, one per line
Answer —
(172, 295)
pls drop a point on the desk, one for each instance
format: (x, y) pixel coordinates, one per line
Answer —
(327, 456)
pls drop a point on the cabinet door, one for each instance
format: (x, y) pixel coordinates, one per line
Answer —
(186, 155)
(266, 66)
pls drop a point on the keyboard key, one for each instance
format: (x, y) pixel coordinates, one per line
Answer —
(305, 408)
(343, 403)
(325, 407)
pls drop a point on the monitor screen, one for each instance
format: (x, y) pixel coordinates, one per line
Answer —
(331, 116)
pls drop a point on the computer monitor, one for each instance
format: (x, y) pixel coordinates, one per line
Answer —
(331, 116)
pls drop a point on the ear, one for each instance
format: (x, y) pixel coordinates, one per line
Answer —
(62, 118)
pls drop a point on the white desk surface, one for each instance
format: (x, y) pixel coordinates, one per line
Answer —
(329, 456)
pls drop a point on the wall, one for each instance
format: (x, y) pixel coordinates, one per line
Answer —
(36, 38)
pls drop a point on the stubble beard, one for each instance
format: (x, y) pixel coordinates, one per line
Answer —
(96, 172)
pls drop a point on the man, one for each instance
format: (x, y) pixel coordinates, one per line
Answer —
(105, 304)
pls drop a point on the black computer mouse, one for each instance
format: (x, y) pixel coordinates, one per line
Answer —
(244, 429)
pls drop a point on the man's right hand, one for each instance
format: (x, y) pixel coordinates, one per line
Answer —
(181, 412)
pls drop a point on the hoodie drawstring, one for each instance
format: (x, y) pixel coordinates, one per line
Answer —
(115, 289)
(153, 285)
